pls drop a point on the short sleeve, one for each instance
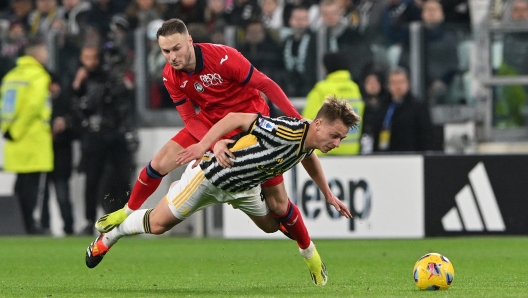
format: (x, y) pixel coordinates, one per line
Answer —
(236, 66)
(169, 82)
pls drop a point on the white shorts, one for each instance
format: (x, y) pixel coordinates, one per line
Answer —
(194, 192)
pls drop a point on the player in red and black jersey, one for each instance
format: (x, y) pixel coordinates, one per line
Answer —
(219, 80)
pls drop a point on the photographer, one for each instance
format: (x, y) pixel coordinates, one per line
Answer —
(103, 103)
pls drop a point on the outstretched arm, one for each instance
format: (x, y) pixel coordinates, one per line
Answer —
(314, 169)
(263, 83)
(229, 123)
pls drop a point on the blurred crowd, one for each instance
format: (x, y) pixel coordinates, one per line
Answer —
(366, 58)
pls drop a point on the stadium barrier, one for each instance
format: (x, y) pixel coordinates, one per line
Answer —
(475, 195)
(11, 222)
(407, 196)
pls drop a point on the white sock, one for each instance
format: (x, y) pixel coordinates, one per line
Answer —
(128, 211)
(308, 252)
(132, 225)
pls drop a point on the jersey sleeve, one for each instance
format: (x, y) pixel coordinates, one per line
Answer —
(260, 81)
(171, 84)
(236, 66)
(285, 129)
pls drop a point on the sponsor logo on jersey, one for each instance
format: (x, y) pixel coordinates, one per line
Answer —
(198, 87)
(224, 59)
(211, 79)
(184, 84)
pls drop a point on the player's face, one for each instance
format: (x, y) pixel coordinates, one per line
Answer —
(178, 51)
(329, 134)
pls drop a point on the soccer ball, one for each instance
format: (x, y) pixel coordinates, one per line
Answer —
(433, 272)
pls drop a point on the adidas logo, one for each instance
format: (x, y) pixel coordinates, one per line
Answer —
(476, 205)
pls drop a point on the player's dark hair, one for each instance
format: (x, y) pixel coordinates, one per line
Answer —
(171, 27)
(335, 109)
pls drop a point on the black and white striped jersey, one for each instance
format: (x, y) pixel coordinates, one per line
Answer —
(271, 147)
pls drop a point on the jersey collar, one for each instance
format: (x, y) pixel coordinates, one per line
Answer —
(199, 58)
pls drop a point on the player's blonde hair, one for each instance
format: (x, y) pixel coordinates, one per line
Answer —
(335, 109)
(172, 26)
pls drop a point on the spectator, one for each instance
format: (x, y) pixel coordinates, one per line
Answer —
(41, 19)
(159, 97)
(272, 12)
(338, 31)
(396, 19)
(214, 14)
(102, 104)
(189, 11)
(63, 133)
(457, 14)
(18, 11)
(366, 19)
(440, 55)
(300, 56)
(311, 5)
(12, 47)
(100, 15)
(338, 82)
(261, 50)
(515, 44)
(75, 16)
(341, 37)
(376, 100)
(25, 116)
(141, 12)
(510, 100)
(242, 12)
(71, 31)
(406, 123)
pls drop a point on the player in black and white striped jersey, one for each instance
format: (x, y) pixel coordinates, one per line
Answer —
(234, 173)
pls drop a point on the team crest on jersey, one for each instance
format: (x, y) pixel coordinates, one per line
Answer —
(198, 87)
(211, 79)
(266, 124)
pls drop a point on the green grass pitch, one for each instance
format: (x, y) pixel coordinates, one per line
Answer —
(183, 267)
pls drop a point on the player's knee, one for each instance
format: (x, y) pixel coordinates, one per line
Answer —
(157, 229)
(156, 164)
(277, 206)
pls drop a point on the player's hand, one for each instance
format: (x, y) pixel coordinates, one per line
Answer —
(223, 154)
(339, 206)
(193, 152)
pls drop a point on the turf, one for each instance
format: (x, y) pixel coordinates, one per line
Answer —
(182, 267)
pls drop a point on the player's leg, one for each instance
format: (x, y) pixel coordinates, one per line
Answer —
(285, 211)
(182, 200)
(291, 219)
(150, 176)
(148, 180)
(142, 221)
(252, 205)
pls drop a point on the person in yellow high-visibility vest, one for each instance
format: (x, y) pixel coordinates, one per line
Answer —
(338, 81)
(25, 123)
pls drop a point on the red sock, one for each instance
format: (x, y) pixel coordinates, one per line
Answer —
(293, 222)
(146, 184)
